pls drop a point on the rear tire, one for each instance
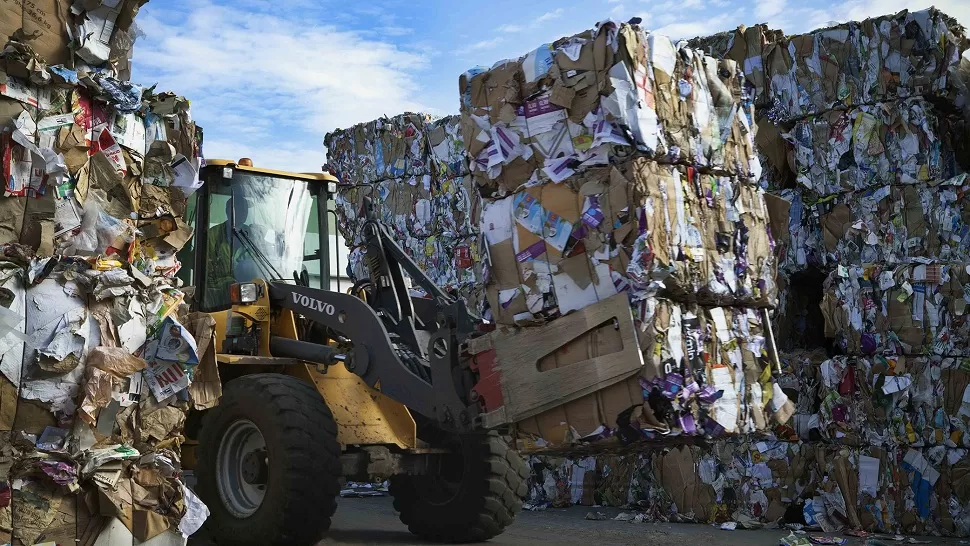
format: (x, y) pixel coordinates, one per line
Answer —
(297, 470)
(487, 494)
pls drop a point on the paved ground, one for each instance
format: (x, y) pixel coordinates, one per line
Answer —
(373, 521)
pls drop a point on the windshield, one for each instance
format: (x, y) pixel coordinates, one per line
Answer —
(257, 226)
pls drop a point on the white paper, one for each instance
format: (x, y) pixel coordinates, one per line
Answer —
(571, 297)
(196, 513)
(67, 215)
(186, 177)
(129, 131)
(497, 221)
(916, 460)
(725, 409)
(869, 475)
(720, 324)
(894, 384)
(132, 334)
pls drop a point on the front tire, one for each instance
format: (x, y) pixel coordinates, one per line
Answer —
(269, 463)
(472, 500)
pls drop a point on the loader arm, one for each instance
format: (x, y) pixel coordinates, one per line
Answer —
(389, 352)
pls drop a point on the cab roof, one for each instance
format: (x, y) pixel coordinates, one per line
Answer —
(321, 176)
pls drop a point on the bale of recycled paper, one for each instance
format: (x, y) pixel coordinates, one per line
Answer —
(587, 99)
(905, 309)
(889, 224)
(431, 207)
(758, 482)
(880, 59)
(640, 227)
(900, 142)
(395, 147)
(91, 219)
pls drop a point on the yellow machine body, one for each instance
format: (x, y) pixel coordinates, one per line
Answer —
(363, 415)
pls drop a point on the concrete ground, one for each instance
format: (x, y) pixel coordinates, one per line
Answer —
(373, 521)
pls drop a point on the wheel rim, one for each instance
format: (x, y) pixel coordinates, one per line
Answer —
(242, 468)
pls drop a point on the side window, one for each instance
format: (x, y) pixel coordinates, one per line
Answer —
(218, 252)
(311, 246)
(186, 256)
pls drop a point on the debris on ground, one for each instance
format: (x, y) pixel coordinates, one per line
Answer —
(360, 490)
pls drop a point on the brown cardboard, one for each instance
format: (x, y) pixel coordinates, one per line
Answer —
(778, 214)
(835, 224)
(38, 218)
(34, 508)
(44, 24)
(12, 211)
(33, 417)
(8, 403)
(11, 109)
(115, 360)
(504, 267)
(581, 417)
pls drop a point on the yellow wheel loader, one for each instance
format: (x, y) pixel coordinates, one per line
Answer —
(320, 386)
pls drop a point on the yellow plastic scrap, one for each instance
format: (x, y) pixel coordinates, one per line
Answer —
(103, 264)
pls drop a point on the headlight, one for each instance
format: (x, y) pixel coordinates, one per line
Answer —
(246, 292)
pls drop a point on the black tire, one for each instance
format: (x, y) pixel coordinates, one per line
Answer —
(303, 462)
(487, 497)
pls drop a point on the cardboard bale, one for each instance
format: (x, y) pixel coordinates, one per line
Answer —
(757, 482)
(906, 309)
(427, 202)
(641, 226)
(382, 149)
(901, 142)
(80, 331)
(890, 224)
(584, 100)
(881, 59)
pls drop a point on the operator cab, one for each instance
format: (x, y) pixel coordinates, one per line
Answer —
(253, 223)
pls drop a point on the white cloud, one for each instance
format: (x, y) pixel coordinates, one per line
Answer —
(270, 88)
(686, 29)
(692, 3)
(538, 22)
(618, 11)
(393, 30)
(299, 157)
(549, 16)
(766, 9)
(482, 45)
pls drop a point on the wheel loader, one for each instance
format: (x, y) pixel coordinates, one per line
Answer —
(320, 386)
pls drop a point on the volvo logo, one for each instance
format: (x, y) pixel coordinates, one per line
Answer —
(313, 304)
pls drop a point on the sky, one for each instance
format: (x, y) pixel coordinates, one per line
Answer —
(267, 79)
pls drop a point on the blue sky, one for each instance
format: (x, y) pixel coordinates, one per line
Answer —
(268, 78)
